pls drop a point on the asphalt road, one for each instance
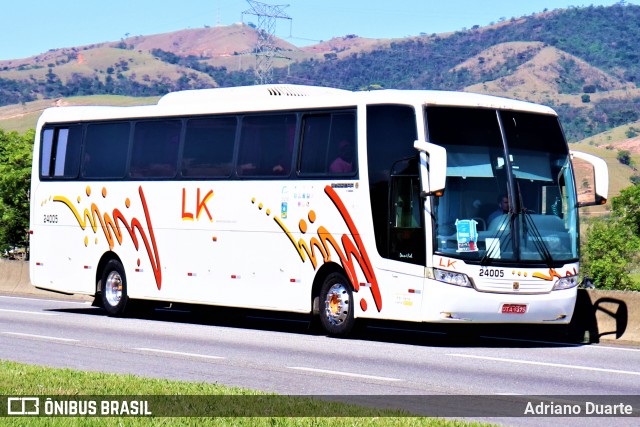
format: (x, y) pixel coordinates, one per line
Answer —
(277, 353)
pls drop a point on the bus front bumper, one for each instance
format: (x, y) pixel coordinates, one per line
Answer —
(448, 303)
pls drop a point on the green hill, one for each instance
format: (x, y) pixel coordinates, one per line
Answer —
(607, 145)
(582, 61)
(21, 117)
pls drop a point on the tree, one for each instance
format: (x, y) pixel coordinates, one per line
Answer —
(15, 182)
(609, 253)
(626, 207)
(624, 157)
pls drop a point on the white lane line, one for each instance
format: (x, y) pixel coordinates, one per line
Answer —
(604, 347)
(46, 300)
(178, 353)
(344, 374)
(40, 337)
(562, 344)
(390, 329)
(37, 313)
(276, 319)
(556, 343)
(554, 365)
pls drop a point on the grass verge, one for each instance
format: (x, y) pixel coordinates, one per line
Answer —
(18, 379)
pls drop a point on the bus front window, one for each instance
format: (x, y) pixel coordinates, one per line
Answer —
(505, 201)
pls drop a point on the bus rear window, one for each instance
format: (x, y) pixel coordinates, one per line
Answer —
(60, 155)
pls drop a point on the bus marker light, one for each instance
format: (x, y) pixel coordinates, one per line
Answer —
(87, 267)
(139, 270)
(191, 274)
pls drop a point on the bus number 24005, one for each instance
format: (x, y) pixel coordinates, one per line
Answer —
(491, 272)
(50, 219)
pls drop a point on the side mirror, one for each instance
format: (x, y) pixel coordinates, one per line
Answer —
(434, 171)
(592, 178)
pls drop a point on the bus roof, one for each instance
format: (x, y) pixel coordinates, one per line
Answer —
(258, 92)
(282, 97)
(270, 93)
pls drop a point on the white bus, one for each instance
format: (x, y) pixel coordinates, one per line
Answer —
(313, 200)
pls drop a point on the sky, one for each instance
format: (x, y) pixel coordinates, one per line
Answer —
(30, 27)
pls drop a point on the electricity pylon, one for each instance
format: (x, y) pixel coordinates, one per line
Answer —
(265, 49)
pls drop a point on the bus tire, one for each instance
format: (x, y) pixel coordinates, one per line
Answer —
(114, 288)
(336, 305)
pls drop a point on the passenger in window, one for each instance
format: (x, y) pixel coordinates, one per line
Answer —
(276, 163)
(503, 208)
(246, 169)
(344, 162)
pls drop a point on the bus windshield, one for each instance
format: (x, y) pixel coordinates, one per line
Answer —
(509, 192)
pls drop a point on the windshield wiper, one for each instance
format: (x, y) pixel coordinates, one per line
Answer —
(541, 247)
(497, 238)
(528, 222)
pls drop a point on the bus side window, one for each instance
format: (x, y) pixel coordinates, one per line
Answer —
(315, 136)
(155, 149)
(342, 145)
(105, 150)
(208, 147)
(266, 145)
(328, 144)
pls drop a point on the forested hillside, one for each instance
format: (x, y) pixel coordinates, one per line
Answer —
(582, 61)
(607, 38)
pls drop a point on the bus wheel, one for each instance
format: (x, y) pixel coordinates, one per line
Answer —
(336, 305)
(114, 288)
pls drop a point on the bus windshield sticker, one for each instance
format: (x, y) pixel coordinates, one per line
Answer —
(467, 235)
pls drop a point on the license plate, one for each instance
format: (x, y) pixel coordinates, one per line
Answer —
(514, 308)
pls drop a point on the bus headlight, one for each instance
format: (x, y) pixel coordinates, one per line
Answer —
(567, 282)
(452, 278)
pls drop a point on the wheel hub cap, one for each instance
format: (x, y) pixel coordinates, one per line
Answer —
(337, 304)
(113, 288)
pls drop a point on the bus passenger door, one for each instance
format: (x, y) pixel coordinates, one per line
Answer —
(401, 276)
(406, 233)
